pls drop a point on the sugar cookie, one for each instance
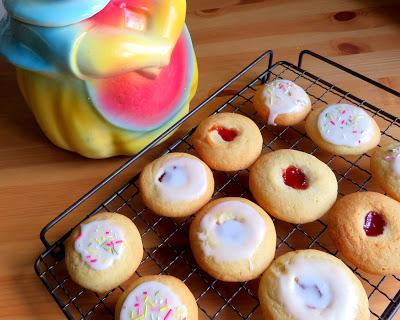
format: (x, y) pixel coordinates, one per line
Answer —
(282, 102)
(157, 297)
(365, 226)
(311, 284)
(343, 129)
(176, 185)
(385, 167)
(228, 141)
(103, 252)
(293, 186)
(233, 239)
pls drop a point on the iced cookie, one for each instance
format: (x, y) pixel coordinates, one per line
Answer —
(228, 141)
(157, 297)
(343, 129)
(365, 227)
(385, 167)
(282, 102)
(293, 186)
(311, 285)
(176, 185)
(233, 239)
(103, 252)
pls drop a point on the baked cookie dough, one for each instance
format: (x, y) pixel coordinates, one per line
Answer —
(365, 226)
(293, 186)
(311, 285)
(385, 168)
(282, 102)
(176, 185)
(228, 141)
(157, 297)
(103, 252)
(343, 129)
(233, 239)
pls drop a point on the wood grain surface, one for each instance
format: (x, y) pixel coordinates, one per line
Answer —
(38, 180)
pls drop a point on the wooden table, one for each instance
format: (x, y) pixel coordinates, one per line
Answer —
(38, 180)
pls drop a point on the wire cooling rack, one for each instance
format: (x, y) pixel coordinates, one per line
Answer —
(166, 240)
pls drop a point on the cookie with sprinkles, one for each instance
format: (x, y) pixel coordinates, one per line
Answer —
(157, 298)
(385, 168)
(103, 252)
(343, 129)
(282, 102)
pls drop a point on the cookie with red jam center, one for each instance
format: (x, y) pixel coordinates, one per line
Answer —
(228, 142)
(293, 186)
(365, 227)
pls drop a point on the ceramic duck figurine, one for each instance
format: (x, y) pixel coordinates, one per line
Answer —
(103, 77)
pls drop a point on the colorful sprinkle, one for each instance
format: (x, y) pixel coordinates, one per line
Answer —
(168, 314)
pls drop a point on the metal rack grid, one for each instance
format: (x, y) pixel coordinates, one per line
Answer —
(166, 240)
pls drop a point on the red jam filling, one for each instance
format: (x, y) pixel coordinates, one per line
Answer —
(227, 134)
(374, 224)
(295, 178)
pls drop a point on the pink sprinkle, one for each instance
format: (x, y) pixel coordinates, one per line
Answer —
(168, 314)
(343, 121)
(136, 305)
(166, 301)
(354, 131)
(137, 299)
(332, 122)
(118, 241)
(343, 111)
(79, 235)
(87, 257)
(93, 260)
(145, 293)
(109, 244)
(107, 232)
(359, 141)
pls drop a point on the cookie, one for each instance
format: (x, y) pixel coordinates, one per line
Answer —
(343, 129)
(228, 141)
(103, 252)
(233, 239)
(385, 168)
(365, 227)
(282, 102)
(157, 297)
(176, 185)
(311, 284)
(293, 186)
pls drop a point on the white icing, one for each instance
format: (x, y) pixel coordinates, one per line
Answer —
(100, 243)
(282, 97)
(393, 156)
(231, 231)
(182, 179)
(345, 125)
(318, 290)
(153, 301)
(396, 165)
